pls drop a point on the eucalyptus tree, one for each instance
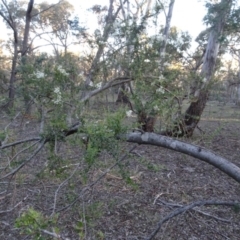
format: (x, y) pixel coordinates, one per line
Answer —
(102, 38)
(29, 21)
(217, 17)
(136, 41)
(58, 27)
(10, 13)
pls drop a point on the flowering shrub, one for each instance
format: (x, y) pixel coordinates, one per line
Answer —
(58, 95)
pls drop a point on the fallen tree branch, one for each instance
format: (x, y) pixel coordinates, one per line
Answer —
(12, 173)
(53, 234)
(148, 138)
(186, 208)
(20, 142)
(196, 210)
(203, 154)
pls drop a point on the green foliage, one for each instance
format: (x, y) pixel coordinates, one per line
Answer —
(114, 123)
(55, 165)
(236, 208)
(102, 135)
(32, 222)
(2, 135)
(91, 214)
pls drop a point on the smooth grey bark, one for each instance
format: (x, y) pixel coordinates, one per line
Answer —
(193, 113)
(25, 46)
(166, 30)
(147, 138)
(110, 18)
(192, 150)
(122, 96)
(28, 19)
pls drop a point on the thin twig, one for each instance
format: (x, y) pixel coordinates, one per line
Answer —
(53, 234)
(64, 182)
(96, 181)
(24, 149)
(5, 129)
(20, 141)
(186, 208)
(11, 209)
(25, 162)
(196, 210)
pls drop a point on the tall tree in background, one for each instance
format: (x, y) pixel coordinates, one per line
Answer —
(11, 20)
(130, 21)
(149, 121)
(217, 16)
(54, 26)
(102, 39)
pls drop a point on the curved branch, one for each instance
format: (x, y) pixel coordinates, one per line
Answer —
(203, 154)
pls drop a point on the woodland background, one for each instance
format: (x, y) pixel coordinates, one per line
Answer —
(135, 137)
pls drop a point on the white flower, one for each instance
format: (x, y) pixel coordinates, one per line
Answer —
(162, 54)
(61, 70)
(58, 95)
(166, 64)
(160, 90)
(102, 43)
(156, 108)
(160, 38)
(147, 60)
(204, 80)
(91, 84)
(129, 113)
(148, 45)
(57, 90)
(98, 85)
(81, 74)
(39, 74)
(143, 38)
(161, 77)
(57, 100)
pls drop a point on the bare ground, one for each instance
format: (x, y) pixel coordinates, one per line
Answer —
(130, 200)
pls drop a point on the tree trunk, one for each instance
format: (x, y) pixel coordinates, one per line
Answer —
(146, 123)
(122, 96)
(166, 32)
(195, 110)
(11, 91)
(13, 25)
(110, 18)
(24, 50)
